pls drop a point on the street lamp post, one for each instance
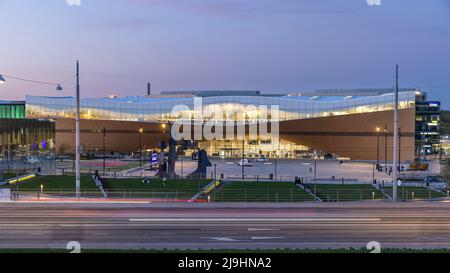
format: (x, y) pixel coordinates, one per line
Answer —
(396, 140)
(141, 131)
(104, 151)
(378, 146)
(399, 150)
(243, 159)
(77, 137)
(276, 169)
(385, 148)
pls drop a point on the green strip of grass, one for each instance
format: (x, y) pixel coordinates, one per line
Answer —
(121, 188)
(260, 192)
(56, 183)
(415, 193)
(157, 189)
(335, 193)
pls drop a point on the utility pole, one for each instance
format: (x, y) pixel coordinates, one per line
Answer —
(243, 158)
(77, 137)
(141, 131)
(396, 140)
(399, 149)
(276, 169)
(385, 148)
(378, 146)
(104, 151)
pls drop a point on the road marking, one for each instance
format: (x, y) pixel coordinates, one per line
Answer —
(223, 239)
(267, 238)
(263, 229)
(256, 220)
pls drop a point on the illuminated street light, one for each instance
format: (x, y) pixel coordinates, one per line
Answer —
(4, 77)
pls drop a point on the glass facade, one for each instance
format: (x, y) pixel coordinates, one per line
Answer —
(221, 106)
(12, 110)
(253, 148)
(427, 127)
(214, 108)
(20, 137)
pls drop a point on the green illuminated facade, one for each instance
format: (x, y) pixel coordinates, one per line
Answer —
(12, 110)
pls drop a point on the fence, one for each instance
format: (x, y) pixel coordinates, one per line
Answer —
(233, 195)
(125, 195)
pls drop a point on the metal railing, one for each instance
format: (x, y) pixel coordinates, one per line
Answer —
(269, 195)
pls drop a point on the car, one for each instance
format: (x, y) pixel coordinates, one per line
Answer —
(31, 160)
(245, 162)
(262, 158)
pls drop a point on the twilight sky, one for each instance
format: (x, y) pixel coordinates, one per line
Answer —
(269, 45)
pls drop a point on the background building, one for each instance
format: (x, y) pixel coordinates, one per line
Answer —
(355, 124)
(20, 136)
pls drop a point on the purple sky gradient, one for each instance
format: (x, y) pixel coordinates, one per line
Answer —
(269, 45)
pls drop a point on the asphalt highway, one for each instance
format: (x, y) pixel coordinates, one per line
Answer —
(224, 228)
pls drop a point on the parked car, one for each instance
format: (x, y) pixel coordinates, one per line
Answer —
(245, 162)
(262, 158)
(31, 160)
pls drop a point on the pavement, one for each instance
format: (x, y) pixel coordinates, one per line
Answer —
(288, 169)
(225, 226)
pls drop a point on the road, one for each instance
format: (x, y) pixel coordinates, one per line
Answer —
(231, 228)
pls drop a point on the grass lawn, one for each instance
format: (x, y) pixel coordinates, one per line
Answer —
(7, 176)
(56, 183)
(260, 192)
(171, 189)
(334, 193)
(415, 193)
